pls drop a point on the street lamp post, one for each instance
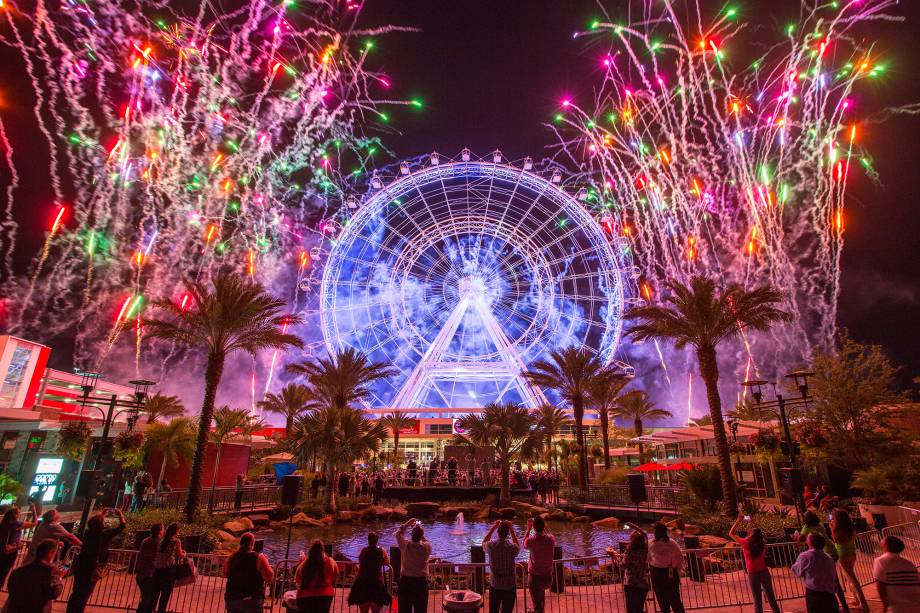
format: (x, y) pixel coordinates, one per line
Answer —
(131, 407)
(733, 426)
(781, 403)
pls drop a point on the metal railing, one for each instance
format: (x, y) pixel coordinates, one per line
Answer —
(223, 500)
(660, 498)
(910, 534)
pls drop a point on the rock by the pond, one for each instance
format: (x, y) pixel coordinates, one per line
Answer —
(528, 510)
(582, 519)
(484, 512)
(608, 522)
(708, 541)
(346, 516)
(422, 509)
(302, 519)
(399, 513)
(238, 525)
(691, 529)
(507, 513)
(259, 520)
(225, 537)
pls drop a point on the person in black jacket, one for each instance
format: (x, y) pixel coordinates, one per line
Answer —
(34, 587)
(92, 558)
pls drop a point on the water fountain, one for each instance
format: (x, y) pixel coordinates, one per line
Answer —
(459, 525)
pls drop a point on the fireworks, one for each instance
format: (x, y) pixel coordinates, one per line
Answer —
(724, 148)
(182, 143)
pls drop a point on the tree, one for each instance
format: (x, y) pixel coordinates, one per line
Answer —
(229, 424)
(396, 421)
(337, 382)
(174, 439)
(703, 317)
(603, 398)
(340, 436)
(853, 404)
(572, 373)
(551, 420)
(160, 406)
(635, 407)
(510, 429)
(293, 400)
(230, 315)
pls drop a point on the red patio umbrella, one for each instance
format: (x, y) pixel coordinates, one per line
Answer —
(650, 467)
(680, 466)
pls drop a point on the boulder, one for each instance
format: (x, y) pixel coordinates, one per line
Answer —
(709, 541)
(399, 513)
(225, 537)
(507, 513)
(302, 519)
(608, 522)
(528, 510)
(691, 529)
(259, 520)
(238, 526)
(582, 519)
(490, 500)
(557, 515)
(422, 509)
(483, 513)
(346, 516)
(450, 511)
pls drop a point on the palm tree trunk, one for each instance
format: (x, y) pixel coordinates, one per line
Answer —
(709, 371)
(605, 435)
(578, 411)
(212, 377)
(331, 488)
(162, 472)
(214, 476)
(504, 497)
(637, 426)
(288, 426)
(395, 448)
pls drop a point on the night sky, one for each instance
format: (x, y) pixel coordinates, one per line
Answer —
(492, 72)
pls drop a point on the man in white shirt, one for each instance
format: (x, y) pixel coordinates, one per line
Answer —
(413, 575)
(897, 577)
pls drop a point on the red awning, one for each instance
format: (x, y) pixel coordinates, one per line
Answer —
(680, 466)
(651, 466)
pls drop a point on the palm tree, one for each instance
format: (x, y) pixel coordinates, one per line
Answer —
(229, 424)
(339, 436)
(510, 429)
(551, 420)
(603, 397)
(174, 439)
(572, 373)
(293, 400)
(702, 317)
(396, 421)
(636, 407)
(341, 379)
(231, 315)
(160, 405)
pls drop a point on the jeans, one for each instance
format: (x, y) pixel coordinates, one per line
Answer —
(501, 601)
(820, 602)
(147, 587)
(761, 581)
(247, 605)
(83, 586)
(537, 586)
(314, 604)
(667, 590)
(635, 598)
(413, 594)
(6, 565)
(164, 579)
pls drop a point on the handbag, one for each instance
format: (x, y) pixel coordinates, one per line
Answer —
(185, 572)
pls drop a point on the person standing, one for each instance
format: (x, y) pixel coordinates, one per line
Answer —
(754, 549)
(143, 569)
(634, 567)
(897, 578)
(452, 472)
(169, 554)
(541, 546)
(502, 560)
(378, 487)
(369, 592)
(413, 579)
(819, 574)
(11, 528)
(315, 580)
(90, 563)
(142, 483)
(843, 533)
(665, 559)
(247, 573)
(412, 467)
(34, 586)
(50, 528)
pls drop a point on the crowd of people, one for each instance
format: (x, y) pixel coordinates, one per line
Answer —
(648, 563)
(542, 484)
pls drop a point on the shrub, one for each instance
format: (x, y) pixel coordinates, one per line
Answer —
(9, 488)
(613, 476)
(705, 486)
(205, 525)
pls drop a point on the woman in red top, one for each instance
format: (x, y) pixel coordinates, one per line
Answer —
(315, 579)
(754, 549)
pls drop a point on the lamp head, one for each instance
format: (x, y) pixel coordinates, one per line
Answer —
(800, 378)
(140, 389)
(756, 387)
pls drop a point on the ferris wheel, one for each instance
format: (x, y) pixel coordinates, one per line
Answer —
(460, 274)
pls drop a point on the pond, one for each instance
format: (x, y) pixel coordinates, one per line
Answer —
(576, 539)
